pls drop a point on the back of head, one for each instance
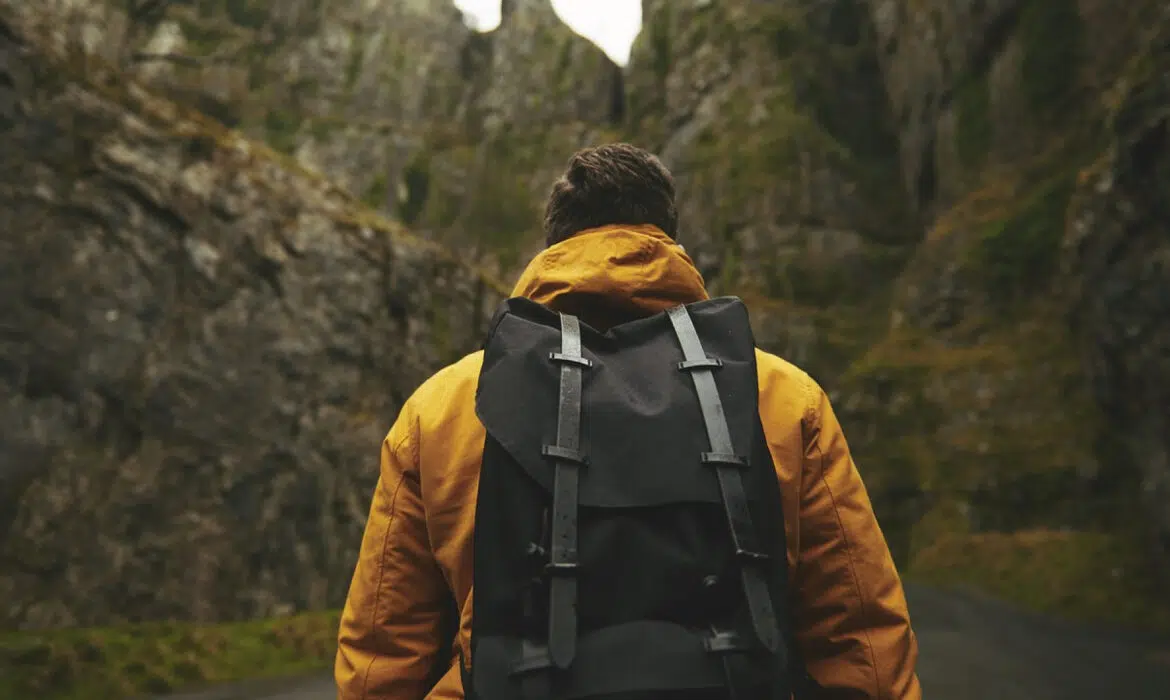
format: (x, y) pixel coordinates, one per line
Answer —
(612, 184)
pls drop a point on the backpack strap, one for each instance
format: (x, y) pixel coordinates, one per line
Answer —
(727, 467)
(567, 460)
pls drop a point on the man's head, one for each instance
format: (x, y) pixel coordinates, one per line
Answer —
(607, 185)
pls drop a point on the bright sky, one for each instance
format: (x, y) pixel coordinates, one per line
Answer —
(611, 24)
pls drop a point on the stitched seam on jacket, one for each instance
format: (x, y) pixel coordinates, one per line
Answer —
(811, 394)
(807, 418)
(852, 570)
(382, 568)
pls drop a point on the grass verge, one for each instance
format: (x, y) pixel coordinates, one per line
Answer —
(1088, 576)
(155, 658)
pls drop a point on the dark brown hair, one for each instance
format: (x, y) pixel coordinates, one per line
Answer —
(616, 183)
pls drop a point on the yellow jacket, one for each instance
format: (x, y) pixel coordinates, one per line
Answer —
(851, 619)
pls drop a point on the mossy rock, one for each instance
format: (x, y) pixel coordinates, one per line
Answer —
(247, 13)
(491, 206)
(120, 662)
(1089, 576)
(1018, 255)
(974, 130)
(485, 192)
(931, 414)
(1052, 34)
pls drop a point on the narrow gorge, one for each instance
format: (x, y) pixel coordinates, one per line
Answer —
(239, 233)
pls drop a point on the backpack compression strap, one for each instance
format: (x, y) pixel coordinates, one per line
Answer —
(567, 459)
(727, 465)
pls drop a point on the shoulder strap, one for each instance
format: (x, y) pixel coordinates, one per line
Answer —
(567, 459)
(727, 465)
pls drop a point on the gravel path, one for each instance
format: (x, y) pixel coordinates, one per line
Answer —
(972, 648)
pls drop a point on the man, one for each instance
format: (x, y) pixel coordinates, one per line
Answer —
(610, 260)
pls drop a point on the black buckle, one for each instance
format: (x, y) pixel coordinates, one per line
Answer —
(562, 568)
(570, 359)
(723, 641)
(701, 363)
(750, 557)
(533, 658)
(564, 454)
(721, 459)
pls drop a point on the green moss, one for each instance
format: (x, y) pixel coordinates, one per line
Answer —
(564, 59)
(661, 55)
(746, 152)
(788, 32)
(966, 424)
(825, 284)
(417, 179)
(505, 214)
(247, 13)
(357, 56)
(320, 129)
(490, 204)
(1082, 575)
(730, 270)
(1051, 32)
(114, 663)
(280, 130)
(1018, 254)
(974, 131)
(375, 195)
(203, 37)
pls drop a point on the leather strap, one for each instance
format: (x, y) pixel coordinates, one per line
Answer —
(567, 460)
(727, 468)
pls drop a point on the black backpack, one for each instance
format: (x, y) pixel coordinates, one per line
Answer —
(629, 541)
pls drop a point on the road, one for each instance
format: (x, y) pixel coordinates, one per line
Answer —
(972, 648)
(979, 649)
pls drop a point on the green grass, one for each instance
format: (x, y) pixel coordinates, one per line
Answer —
(1089, 576)
(124, 662)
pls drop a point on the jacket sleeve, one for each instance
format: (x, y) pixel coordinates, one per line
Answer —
(389, 632)
(852, 622)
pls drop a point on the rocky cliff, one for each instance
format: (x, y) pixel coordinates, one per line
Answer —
(203, 346)
(949, 212)
(924, 203)
(1020, 125)
(398, 103)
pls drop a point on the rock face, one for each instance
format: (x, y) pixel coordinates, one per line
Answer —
(978, 82)
(396, 102)
(345, 85)
(1019, 129)
(890, 182)
(538, 92)
(1117, 254)
(201, 350)
(784, 195)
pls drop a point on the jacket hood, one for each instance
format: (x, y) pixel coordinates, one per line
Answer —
(612, 274)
